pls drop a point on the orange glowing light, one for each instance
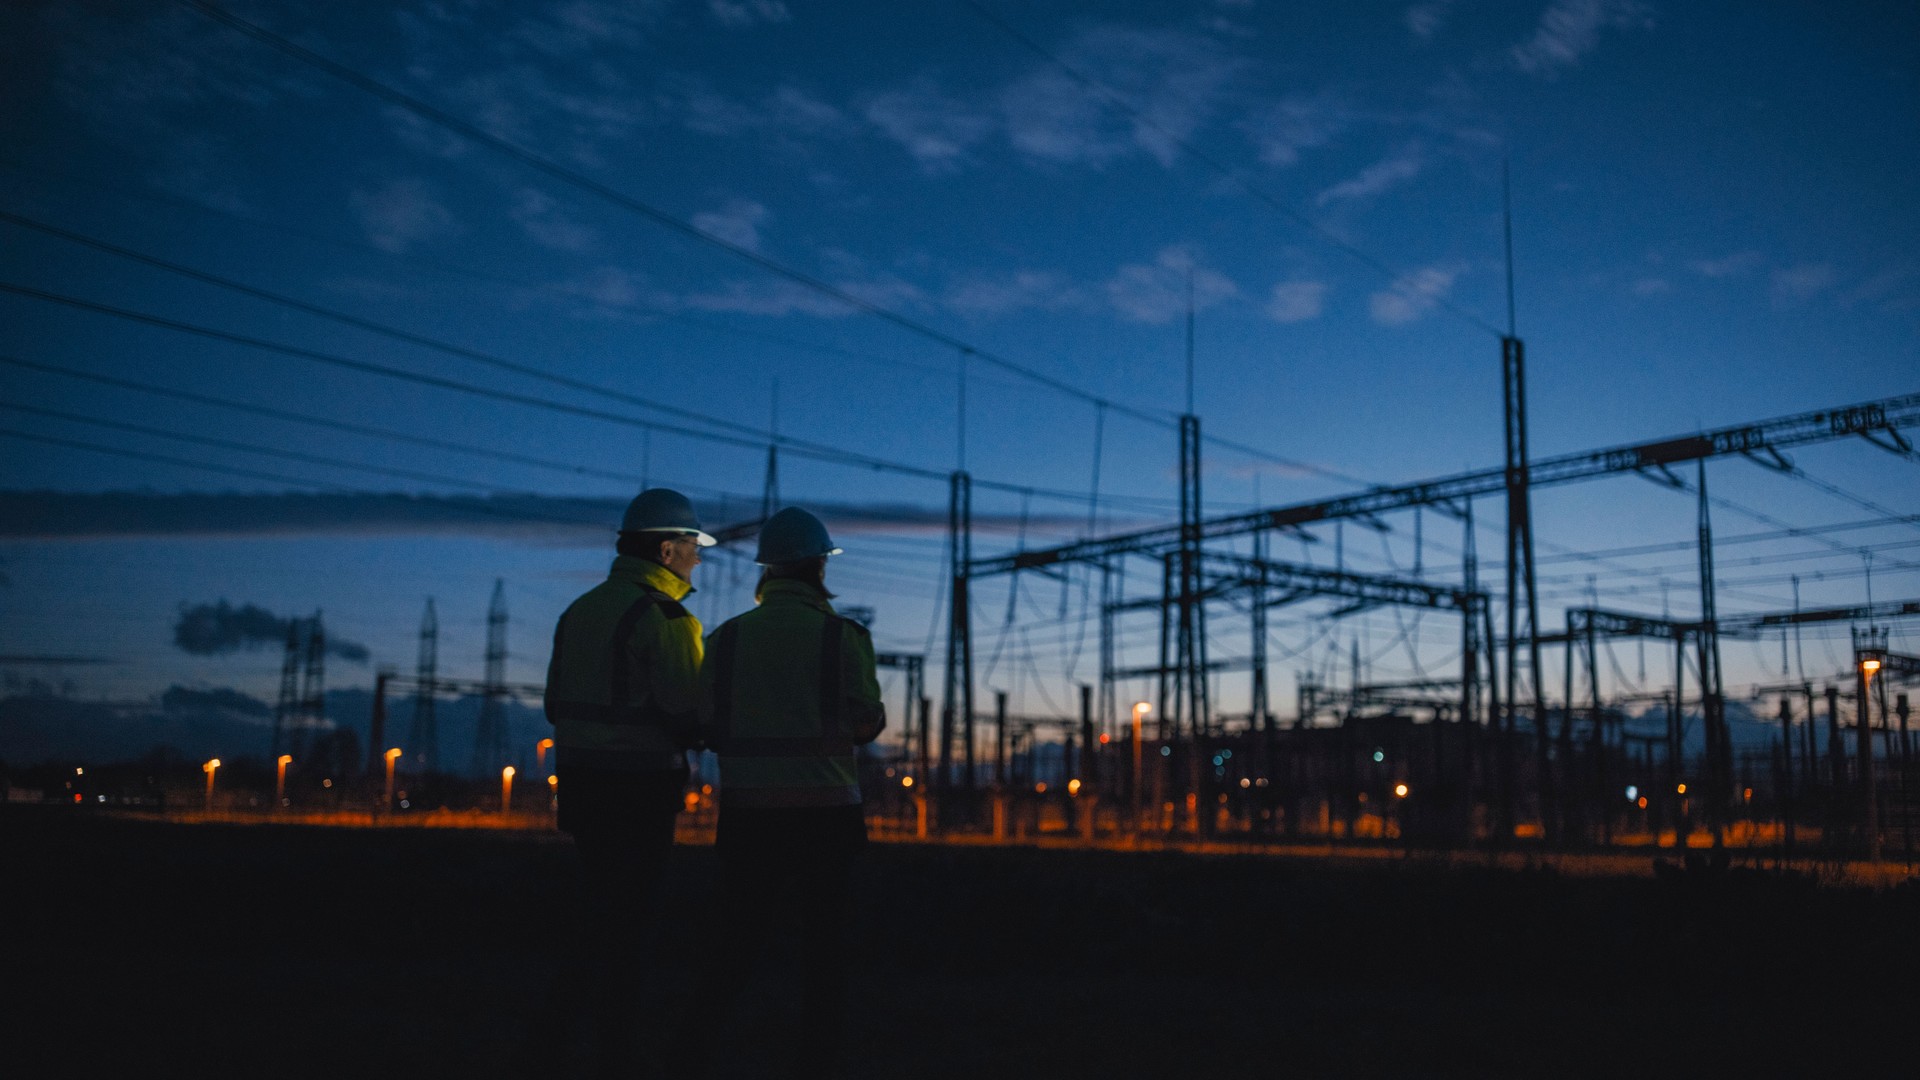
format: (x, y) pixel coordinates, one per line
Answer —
(552, 780)
(544, 744)
(393, 753)
(211, 765)
(706, 789)
(1747, 796)
(1104, 738)
(693, 801)
(1869, 666)
(79, 772)
(1643, 802)
(285, 759)
(906, 781)
(1073, 787)
(1400, 790)
(1040, 789)
(1682, 789)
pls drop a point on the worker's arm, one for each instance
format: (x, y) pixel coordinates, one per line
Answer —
(865, 713)
(671, 651)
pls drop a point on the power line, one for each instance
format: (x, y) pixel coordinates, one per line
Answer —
(709, 325)
(250, 448)
(659, 217)
(410, 338)
(839, 457)
(316, 421)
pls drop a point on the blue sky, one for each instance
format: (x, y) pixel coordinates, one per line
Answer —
(1712, 224)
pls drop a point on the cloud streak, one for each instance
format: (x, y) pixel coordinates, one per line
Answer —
(1570, 29)
(1414, 295)
(1159, 292)
(218, 629)
(1380, 177)
(548, 520)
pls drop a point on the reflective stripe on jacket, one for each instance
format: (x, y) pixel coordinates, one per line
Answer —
(623, 684)
(787, 695)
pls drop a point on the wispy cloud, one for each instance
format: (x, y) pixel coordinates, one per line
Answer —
(1734, 265)
(1022, 290)
(1381, 176)
(1282, 130)
(1650, 286)
(775, 298)
(788, 110)
(538, 216)
(1171, 80)
(737, 223)
(537, 519)
(1798, 284)
(1158, 292)
(1296, 301)
(1425, 20)
(1570, 29)
(611, 289)
(934, 127)
(1414, 295)
(402, 215)
(1894, 289)
(744, 13)
(576, 27)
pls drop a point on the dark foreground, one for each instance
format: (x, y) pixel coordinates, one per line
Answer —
(147, 949)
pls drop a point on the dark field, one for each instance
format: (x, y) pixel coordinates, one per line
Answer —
(148, 949)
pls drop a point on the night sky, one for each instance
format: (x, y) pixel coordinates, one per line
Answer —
(824, 220)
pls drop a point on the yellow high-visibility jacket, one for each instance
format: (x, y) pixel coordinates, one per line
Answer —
(623, 684)
(787, 695)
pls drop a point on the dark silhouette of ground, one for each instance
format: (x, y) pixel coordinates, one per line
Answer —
(146, 948)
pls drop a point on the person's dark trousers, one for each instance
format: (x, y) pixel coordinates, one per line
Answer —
(622, 824)
(788, 877)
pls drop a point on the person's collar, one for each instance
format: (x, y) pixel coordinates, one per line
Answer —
(794, 589)
(652, 575)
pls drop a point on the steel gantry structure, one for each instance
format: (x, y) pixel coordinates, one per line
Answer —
(1187, 584)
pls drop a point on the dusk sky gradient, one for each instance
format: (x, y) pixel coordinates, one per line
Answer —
(1713, 221)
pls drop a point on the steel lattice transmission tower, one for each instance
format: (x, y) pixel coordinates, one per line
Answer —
(490, 743)
(425, 736)
(285, 712)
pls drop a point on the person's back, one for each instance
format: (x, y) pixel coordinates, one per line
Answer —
(788, 695)
(622, 695)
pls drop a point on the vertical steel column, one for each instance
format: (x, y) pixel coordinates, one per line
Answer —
(288, 708)
(1000, 738)
(1786, 774)
(377, 724)
(424, 737)
(1869, 804)
(1087, 744)
(490, 742)
(313, 689)
(1107, 694)
(1520, 568)
(1713, 707)
(1193, 624)
(957, 710)
(1262, 718)
(1603, 799)
(1676, 748)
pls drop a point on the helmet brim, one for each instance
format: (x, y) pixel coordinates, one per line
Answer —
(803, 558)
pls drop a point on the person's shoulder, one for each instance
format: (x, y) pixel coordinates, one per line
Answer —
(859, 628)
(669, 608)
